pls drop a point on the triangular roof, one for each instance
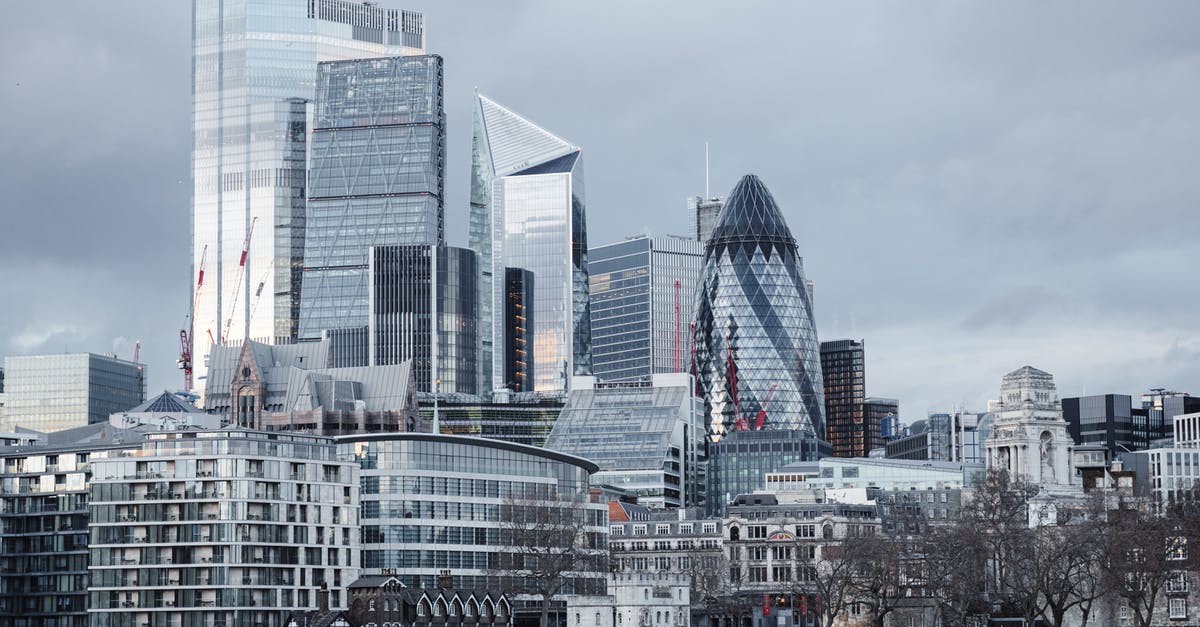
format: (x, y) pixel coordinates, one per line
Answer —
(1027, 371)
(513, 142)
(166, 403)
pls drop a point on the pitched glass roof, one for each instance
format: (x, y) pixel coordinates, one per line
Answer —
(516, 144)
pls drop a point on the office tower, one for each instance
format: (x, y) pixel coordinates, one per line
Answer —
(1112, 421)
(406, 282)
(846, 427)
(648, 437)
(221, 527)
(53, 392)
(527, 211)
(378, 149)
(757, 355)
(642, 293)
(739, 462)
(703, 213)
(254, 70)
(423, 489)
(1168, 404)
(518, 330)
(885, 412)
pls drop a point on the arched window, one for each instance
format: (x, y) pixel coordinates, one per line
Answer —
(371, 605)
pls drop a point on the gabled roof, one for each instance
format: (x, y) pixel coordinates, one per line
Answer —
(514, 143)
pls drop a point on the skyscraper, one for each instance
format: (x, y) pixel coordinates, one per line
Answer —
(846, 427)
(703, 213)
(643, 293)
(757, 355)
(378, 148)
(527, 211)
(254, 67)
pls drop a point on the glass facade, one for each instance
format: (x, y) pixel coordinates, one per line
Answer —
(434, 503)
(846, 427)
(400, 314)
(528, 202)
(55, 392)
(757, 355)
(648, 437)
(220, 527)
(518, 327)
(521, 422)
(739, 462)
(254, 68)
(378, 148)
(643, 294)
(704, 216)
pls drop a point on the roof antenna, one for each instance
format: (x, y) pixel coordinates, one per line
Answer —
(705, 170)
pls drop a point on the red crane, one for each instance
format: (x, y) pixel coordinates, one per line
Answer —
(237, 285)
(762, 411)
(185, 335)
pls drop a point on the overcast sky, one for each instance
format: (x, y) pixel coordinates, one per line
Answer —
(973, 186)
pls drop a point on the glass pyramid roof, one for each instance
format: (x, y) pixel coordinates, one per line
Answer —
(514, 143)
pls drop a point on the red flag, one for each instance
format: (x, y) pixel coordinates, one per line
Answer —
(766, 605)
(804, 605)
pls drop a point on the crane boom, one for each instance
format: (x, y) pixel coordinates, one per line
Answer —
(185, 335)
(237, 285)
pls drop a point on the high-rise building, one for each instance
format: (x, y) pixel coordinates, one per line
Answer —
(703, 213)
(378, 149)
(648, 437)
(757, 355)
(53, 392)
(230, 527)
(846, 427)
(886, 413)
(403, 283)
(643, 294)
(518, 330)
(527, 211)
(254, 70)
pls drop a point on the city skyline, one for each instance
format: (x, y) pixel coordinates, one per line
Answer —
(1008, 204)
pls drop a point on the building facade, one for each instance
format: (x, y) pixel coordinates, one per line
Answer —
(703, 213)
(525, 418)
(642, 293)
(518, 330)
(441, 506)
(757, 354)
(1029, 438)
(647, 437)
(1112, 421)
(528, 211)
(53, 392)
(739, 462)
(377, 179)
(221, 527)
(406, 284)
(847, 428)
(254, 70)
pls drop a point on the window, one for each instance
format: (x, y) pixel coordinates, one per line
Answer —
(639, 530)
(1177, 548)
(662, 530)
(1177, 607)
(710, 527)
(756, 553)
(1124, 613)
(943, 496)
(1177, 582)
(616, 530)
(806, 531)
(662, 563)
(758, 532)
(687, 528)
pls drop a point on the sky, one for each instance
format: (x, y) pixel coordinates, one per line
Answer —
(973, 186)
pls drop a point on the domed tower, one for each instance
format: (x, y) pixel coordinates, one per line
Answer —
(758, 361)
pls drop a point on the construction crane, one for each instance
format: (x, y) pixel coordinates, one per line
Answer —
(237, 285)
(762, 411)
(185, 334)
(258, 293)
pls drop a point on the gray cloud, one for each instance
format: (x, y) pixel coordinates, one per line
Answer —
(973, 187)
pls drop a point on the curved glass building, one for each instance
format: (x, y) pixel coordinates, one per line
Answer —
(758, 361)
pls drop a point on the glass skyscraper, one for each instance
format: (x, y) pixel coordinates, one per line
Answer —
(527, 211)
(378, 148)
(55, 392)
(846, 426)
(757, 356)
(254, 68)
(643, 295)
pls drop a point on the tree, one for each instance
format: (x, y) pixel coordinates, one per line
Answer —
(831, 576)
(879, 564)
(999, 513)
(551, 544)
(950, 571)
(1142, 550)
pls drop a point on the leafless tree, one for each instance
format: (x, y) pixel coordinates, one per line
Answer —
(950, 570)
(1143, 548)
(879, 564)
(552, 543)
(831, 576)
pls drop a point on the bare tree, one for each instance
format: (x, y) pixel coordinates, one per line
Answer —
(831, 576)
(879, 564)
(951, 572)
(552, 542)
(1142, 551)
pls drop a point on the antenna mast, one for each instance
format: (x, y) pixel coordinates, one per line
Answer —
(706, 196)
